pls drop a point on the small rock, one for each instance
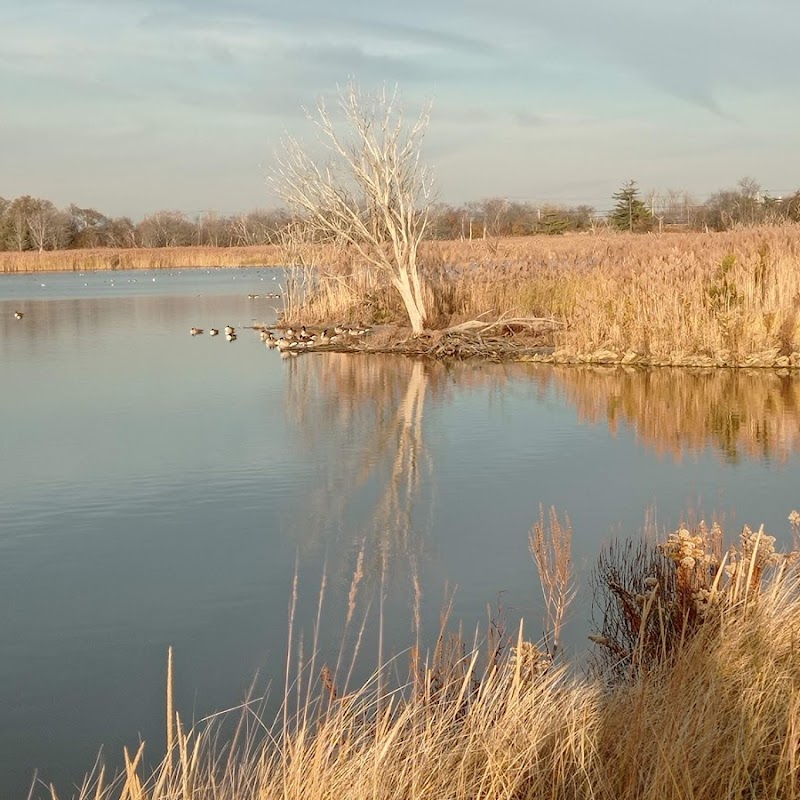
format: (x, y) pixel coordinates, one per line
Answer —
(630, 357)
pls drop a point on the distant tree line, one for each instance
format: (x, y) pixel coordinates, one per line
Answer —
(33, 223)
(745, 205)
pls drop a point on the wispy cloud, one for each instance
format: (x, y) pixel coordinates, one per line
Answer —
(519, 89)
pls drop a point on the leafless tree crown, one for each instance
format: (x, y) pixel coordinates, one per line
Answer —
(371, 192)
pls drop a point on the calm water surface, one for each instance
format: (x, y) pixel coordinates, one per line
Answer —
(160, 489)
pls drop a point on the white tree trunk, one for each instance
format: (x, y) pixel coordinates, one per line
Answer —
(373, 195)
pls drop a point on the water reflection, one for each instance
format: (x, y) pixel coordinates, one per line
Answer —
(739, 414)
(156, 488)
(360, 423)
(78, 321)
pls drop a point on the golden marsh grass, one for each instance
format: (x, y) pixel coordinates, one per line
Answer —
(705, 299)
(710, 711)
(89, 260)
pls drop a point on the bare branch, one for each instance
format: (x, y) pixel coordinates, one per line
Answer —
(372, 194)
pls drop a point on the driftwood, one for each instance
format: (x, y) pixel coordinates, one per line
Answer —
(505, 339)
(443, 345)
(512, 324)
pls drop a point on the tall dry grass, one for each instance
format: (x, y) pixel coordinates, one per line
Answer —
(715, 298)
(137, 258)
(704, 703)
(729, 298)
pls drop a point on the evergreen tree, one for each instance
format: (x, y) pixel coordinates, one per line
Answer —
(553, 221)
(630, 213)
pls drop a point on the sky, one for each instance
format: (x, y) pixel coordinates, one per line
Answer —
(134, 106)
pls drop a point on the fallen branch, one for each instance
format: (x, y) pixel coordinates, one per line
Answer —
(532, 323)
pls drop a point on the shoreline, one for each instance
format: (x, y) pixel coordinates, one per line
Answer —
(441, 346)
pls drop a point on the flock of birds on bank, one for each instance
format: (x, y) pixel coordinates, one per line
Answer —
(292, 340)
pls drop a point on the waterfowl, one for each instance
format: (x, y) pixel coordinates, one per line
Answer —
(213, 332)
(339, 329)
(252, 297)
(288, 344)
(288, 333)
(231, 337)
(306, 337)
(229, 330)
(18, 315)
(195, 331)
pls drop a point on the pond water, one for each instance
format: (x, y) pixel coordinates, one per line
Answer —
(160, 489)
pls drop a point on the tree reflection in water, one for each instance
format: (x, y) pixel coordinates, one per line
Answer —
(360, 420)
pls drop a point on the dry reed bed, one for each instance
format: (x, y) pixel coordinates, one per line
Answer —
(136, 258)
(699, 699)
(702, 299)
(705, 704)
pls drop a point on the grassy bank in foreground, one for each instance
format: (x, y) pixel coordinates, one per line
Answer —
(693, 694)
(137, 258)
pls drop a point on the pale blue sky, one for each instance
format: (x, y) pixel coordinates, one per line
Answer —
(135, 106)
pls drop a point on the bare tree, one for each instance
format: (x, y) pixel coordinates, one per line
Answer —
(42, 222)
(373, 194)
(165, 229)
(16, 223)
